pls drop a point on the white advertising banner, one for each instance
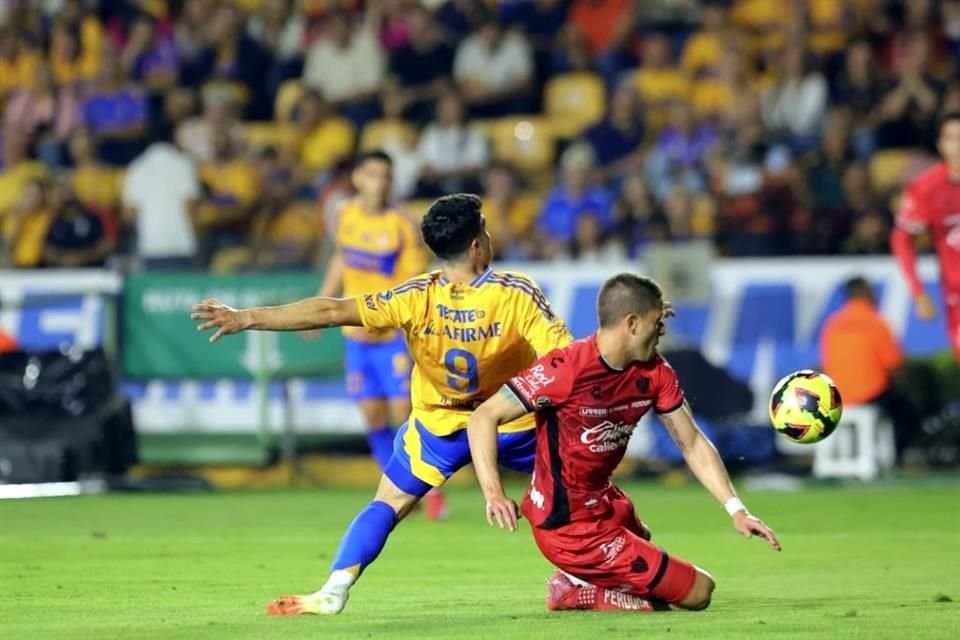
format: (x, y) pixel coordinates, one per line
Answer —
(761, 321)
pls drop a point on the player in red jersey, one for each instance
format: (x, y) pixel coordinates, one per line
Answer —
(588, 397)
(932, 203)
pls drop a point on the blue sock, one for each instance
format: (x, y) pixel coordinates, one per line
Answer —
(380, 440)
(365, 537)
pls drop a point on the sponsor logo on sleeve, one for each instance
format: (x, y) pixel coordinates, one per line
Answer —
(537, 378)
(368, 300)
(520, 384)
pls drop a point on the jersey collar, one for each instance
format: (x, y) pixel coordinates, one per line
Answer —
(480, 279)
(606, 365)
(476, 282)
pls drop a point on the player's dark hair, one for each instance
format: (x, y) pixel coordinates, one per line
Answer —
(858, 289)
(373, 154)
(946, 118)
(451, 224)
(625, 294)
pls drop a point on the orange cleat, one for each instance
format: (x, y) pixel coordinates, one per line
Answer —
(286, 606)
(320, 603)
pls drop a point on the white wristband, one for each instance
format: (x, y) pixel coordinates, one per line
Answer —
(733, 505)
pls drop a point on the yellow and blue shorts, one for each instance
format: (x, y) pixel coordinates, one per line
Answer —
(377, 369)
(422, 460)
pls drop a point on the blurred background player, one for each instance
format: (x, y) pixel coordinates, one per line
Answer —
(376, 247)
(469, 329)
(931, 203)
(588, 398)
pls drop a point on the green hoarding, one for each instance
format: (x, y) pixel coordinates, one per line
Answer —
(160, 340)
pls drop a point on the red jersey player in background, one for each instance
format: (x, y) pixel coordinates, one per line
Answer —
(588, 397)
(932, 203)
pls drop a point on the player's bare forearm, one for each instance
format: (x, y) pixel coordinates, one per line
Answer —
(482, 434)
(709, 469)
(901, 242)
(700, 454)
(705, 462)
(310, 313)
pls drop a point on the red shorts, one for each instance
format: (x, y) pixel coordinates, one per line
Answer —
(615, 553)
(953, 328)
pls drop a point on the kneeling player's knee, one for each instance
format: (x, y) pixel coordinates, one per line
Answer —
(700, 595)
(401, 501)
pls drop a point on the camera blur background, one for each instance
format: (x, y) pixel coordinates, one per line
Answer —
(747, 153)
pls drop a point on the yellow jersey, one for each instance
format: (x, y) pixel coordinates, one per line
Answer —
(466, 340)
(331, 140)
(98, 186)
(380, 250)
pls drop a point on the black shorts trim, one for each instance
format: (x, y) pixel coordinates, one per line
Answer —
(662, 571)
(560, 509)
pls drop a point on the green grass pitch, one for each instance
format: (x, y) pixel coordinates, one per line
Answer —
(859, 562)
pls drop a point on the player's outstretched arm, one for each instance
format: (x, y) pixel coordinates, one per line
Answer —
(482, 433)
(901, 242)
(309, 313)
(706, 464)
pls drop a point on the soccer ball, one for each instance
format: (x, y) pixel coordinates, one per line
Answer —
(805, 406)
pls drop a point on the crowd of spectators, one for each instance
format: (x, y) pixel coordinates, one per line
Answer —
(218, 133)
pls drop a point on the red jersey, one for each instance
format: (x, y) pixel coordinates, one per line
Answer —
(586, 412)
(932, 202)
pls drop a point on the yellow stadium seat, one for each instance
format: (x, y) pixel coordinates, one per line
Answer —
(380, 133)
(887, 169)
(526, 142)
(574, 101)
(703, 216)
(287, 98)
(259, 135)
(231, 260)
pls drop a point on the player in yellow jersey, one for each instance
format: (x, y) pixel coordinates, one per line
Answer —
(469, 329)
(376, 247)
